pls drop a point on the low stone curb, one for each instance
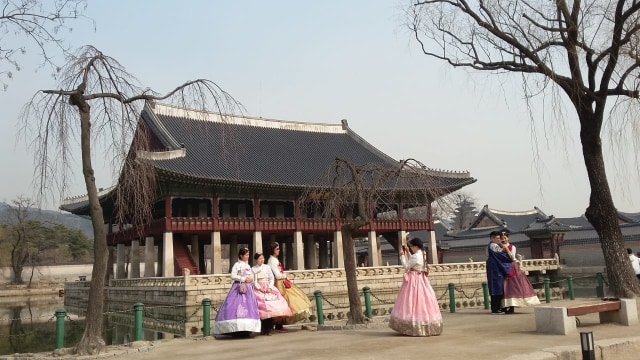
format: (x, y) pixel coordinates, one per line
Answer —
(607, 349)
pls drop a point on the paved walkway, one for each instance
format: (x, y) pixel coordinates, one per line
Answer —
(468, 334)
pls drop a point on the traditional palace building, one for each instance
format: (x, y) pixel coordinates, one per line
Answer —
(226, 182)
(536, 235)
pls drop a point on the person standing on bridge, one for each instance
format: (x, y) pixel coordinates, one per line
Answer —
(416, 311)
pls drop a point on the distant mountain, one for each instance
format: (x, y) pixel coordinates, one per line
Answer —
(55, 217)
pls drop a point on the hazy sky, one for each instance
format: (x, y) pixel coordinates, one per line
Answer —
(323, 61)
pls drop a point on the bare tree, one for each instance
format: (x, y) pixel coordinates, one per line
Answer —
(97, 99)
(20, 234)
(588, 50)
(356, 193)
(41, 23)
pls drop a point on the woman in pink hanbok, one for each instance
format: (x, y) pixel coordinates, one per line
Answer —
(271, 305)
(416, 311)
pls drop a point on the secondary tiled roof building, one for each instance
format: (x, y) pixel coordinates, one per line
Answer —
(537, 235)
(226, 181)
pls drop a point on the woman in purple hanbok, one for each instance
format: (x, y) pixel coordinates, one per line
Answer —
(416, 311)
(238, 314)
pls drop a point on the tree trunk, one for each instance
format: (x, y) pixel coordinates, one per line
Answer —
(17, 274)
(602, 213)
(33, 270)
(349, 251)
(92, 342)
(18, 258)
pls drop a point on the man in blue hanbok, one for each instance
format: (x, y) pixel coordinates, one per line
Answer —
(498, 267)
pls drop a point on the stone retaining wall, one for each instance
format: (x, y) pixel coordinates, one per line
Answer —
(188, 291)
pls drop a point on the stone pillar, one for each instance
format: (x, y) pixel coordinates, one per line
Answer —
(112, 264)
(167, 255)
(120, 261)
(233, 251)
(374, 249)
(287, 248)
(322, 253)
(379, 250)
(216, 253)
(257, 244)
(298, 256)
(433, 248)
(149, 257)
(338, 257)
(272, 238)
(310, 253)
(135, 259)
(195, 252)
(402, 240)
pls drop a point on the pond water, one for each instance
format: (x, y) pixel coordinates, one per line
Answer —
(29, 326)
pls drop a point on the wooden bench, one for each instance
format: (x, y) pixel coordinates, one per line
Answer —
(562, 319)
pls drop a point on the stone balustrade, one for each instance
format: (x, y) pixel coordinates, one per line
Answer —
(188, 291)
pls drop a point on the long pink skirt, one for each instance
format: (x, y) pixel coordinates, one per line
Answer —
(416, 311)
(271, 304)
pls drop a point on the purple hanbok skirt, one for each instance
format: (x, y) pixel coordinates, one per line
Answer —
(238, 312)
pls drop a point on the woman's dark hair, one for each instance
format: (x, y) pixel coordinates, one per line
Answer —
(274, 245)
(242, 252)
(257, 255)
(416, 242)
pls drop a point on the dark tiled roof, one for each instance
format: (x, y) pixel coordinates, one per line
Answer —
(514, 221)
(579, 221)
(629, 217)
(549, 224)
(79, 203)
(577, 229)
(262, 151)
